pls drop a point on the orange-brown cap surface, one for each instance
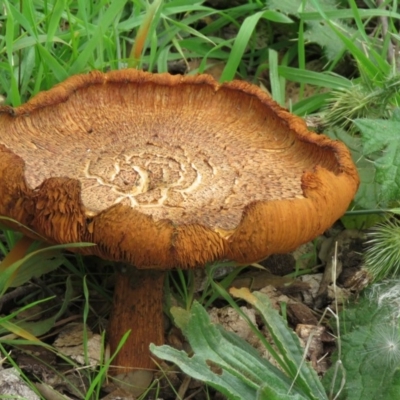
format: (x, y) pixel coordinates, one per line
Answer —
(167, 171)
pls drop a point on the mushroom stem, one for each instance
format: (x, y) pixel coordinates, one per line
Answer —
(137, 306)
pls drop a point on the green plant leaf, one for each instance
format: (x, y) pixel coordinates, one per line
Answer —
(322, 79)
(222, 359)
(229, 364)
(317, 31)
(30, 330)
(108, 18)
(34, 264)
(362, 221)
(370, 348)
(369, 195)
(239, 46)
(268, 393)
(277, 82)
(286, 342)
(17, 330)
(381, 146)
(276, 16)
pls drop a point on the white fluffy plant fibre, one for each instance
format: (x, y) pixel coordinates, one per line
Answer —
(383, 346)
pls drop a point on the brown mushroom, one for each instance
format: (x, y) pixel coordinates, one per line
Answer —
(165, 172)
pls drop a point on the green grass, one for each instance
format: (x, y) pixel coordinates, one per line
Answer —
(42, 42)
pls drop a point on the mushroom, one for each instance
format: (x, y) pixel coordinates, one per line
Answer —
(163, 172)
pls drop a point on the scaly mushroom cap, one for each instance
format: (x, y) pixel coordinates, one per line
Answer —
(167, 171)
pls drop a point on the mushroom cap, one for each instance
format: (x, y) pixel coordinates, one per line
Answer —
(165, 171)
